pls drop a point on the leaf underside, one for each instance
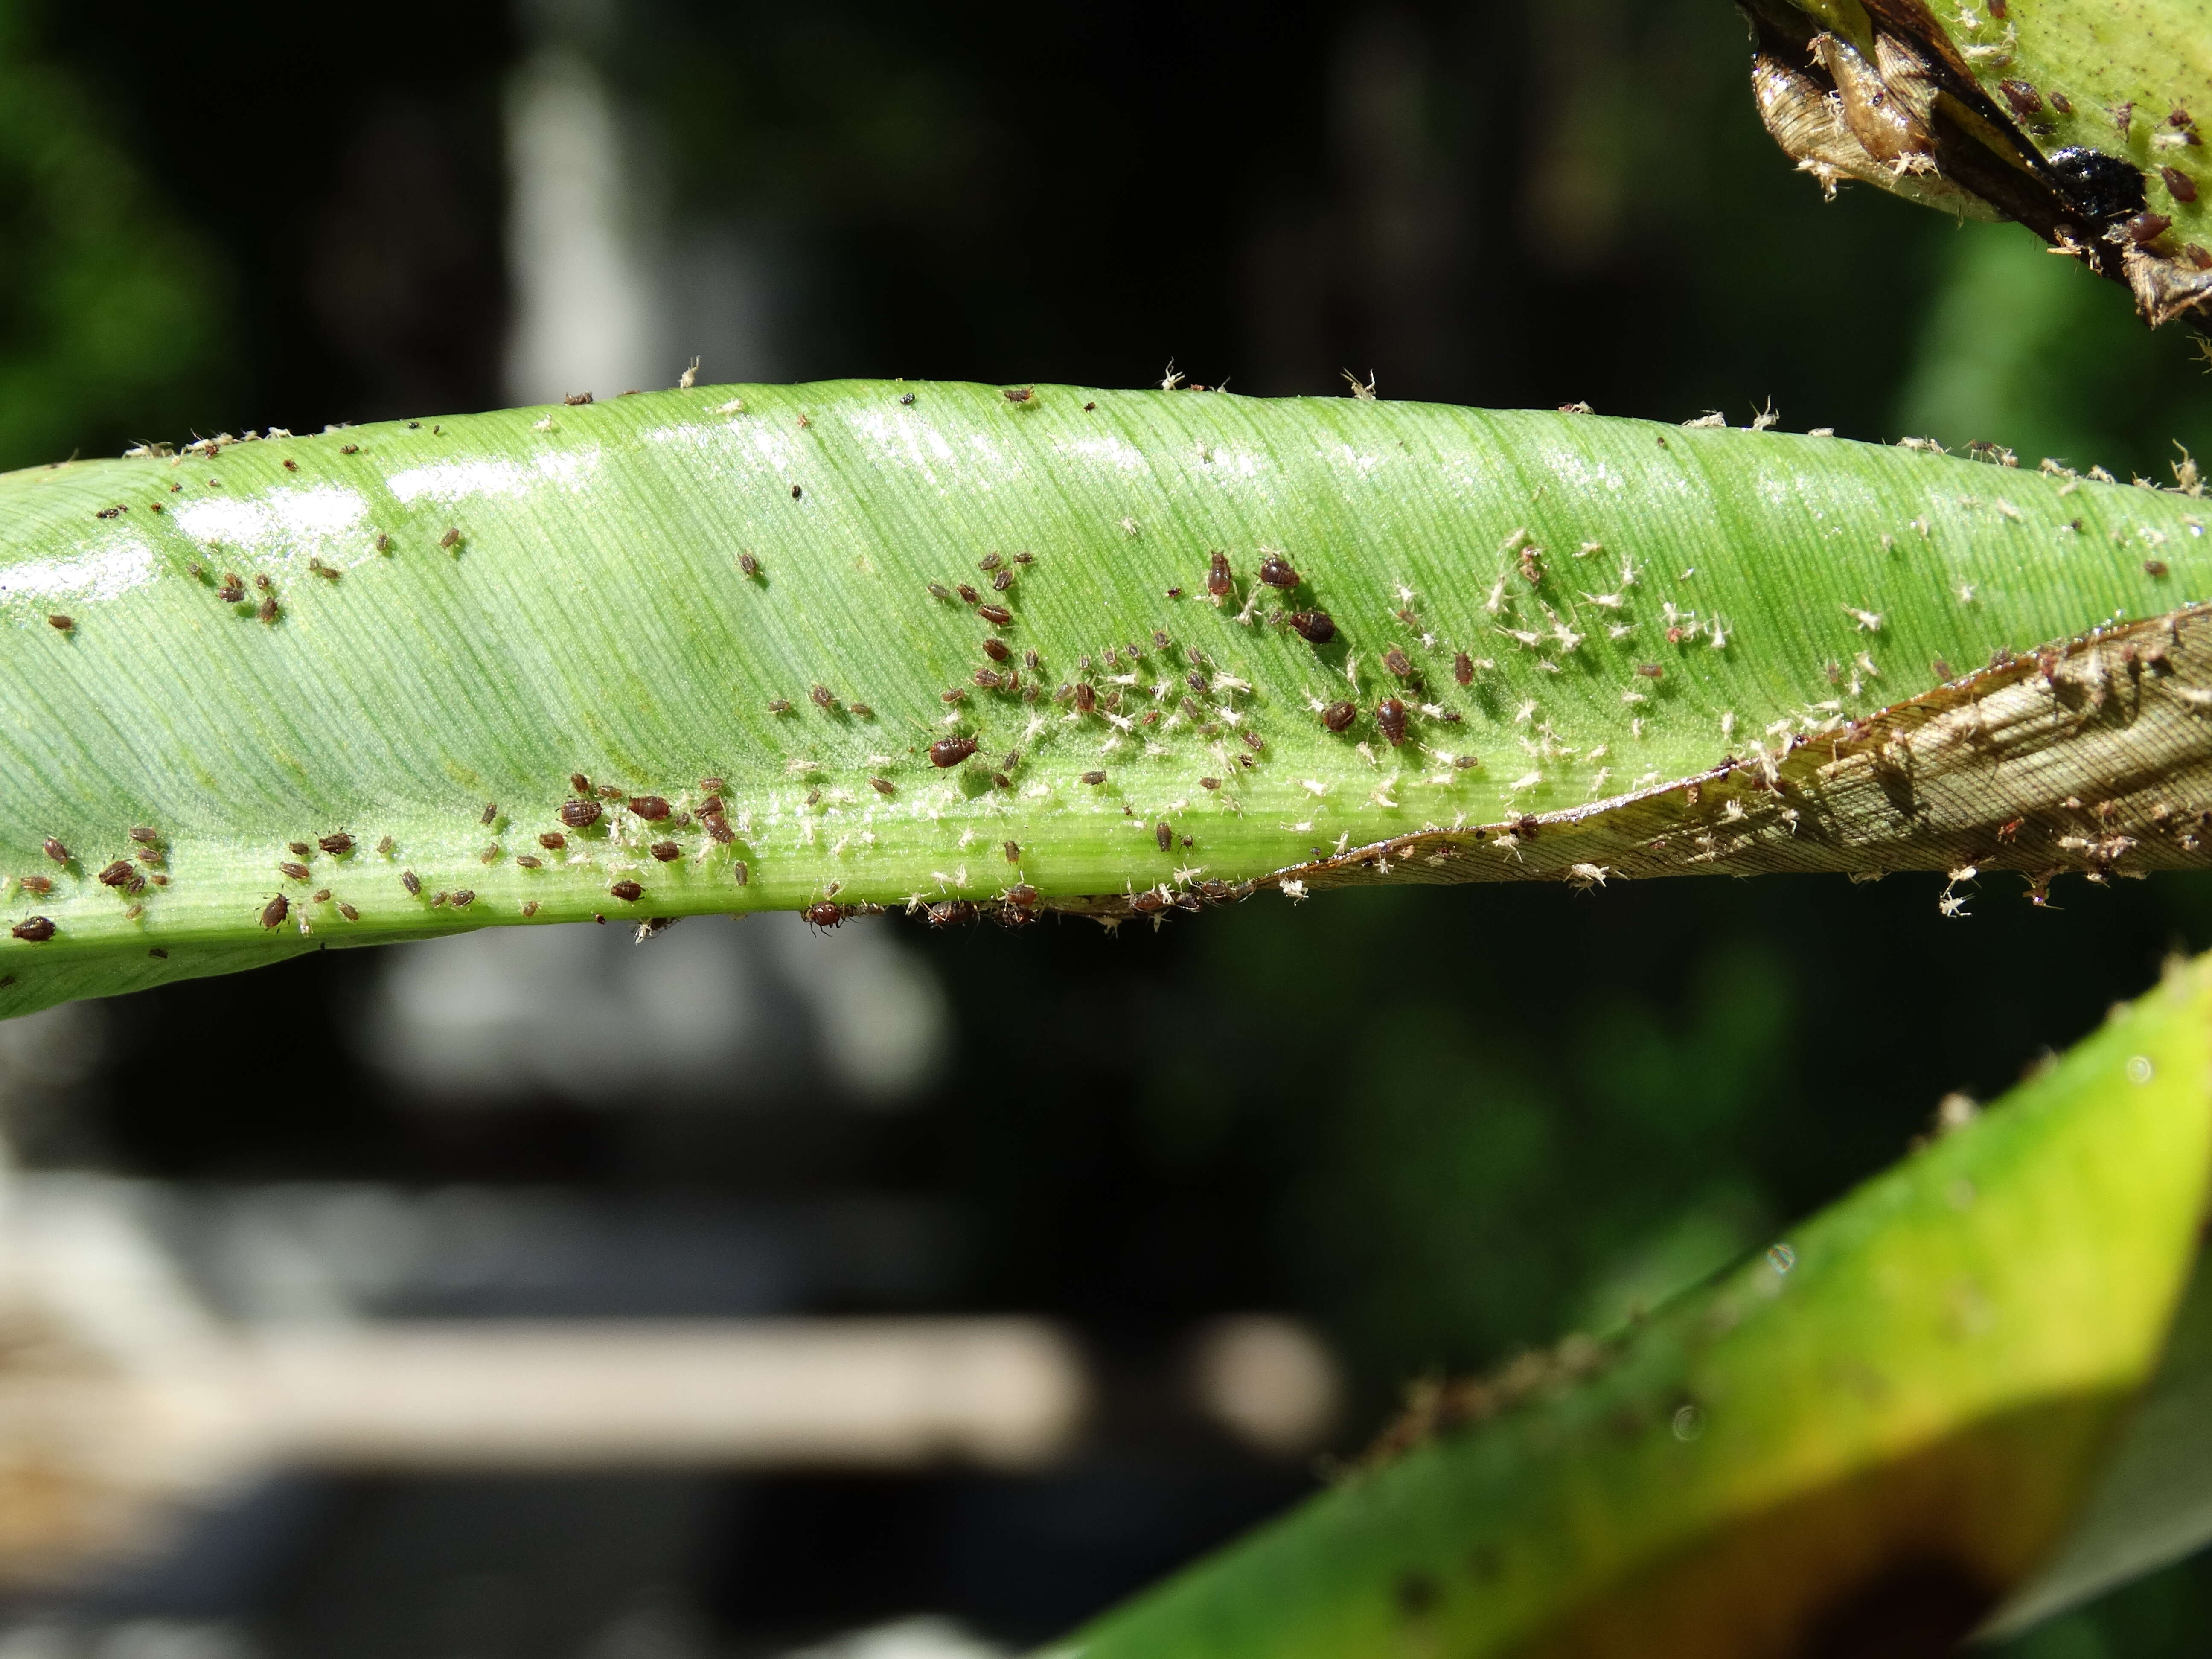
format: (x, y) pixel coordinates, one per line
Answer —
(1621, 648)
(1862, 1440)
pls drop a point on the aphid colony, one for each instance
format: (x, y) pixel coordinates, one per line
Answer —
(1127, 693)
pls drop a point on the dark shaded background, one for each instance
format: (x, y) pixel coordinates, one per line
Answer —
(1439, 1124)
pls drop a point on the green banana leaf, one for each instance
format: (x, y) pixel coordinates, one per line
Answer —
(1865, 1439)
(1018, 650)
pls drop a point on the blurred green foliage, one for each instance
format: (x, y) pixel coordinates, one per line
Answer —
(113, 311)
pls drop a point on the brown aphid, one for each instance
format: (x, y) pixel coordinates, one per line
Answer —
(1253, 740)
(293, 871)
(667, 851)
(2147, 228)
(267, 610)
(1146, 902)
(1013, 851)
(530, 861)
(955, 695)
(796, 492)
(1196, 681)
(326, 572)
(233, 591)
(951, 912)
(490, 814)
(2024, 98)
(997, 615)
(2178, 184)
(1275, 571)
(64, 623)
(580, 814)
(1651, 671)
(301, 849)
(41, 885)
(824, 913)
(350, 913)
(528, 909)
(1463, 669)
(718, 829)
(748, 565)
(969, 595)
(883, 786)
(997, 650)
(320, 896)
(115, 874)
(989, 561)
(627, 890)
(1019, 394)
(1339, 716)
(1314, 627)
(951, 752)
(1391, 717)
(56, 851)
(1032, 661)
(823, 698)
(1002, 581)
(1086, 696)
(1398, 662)
(861, 711)
(1021, 893)
(412, 883)
(387, 846)
(1219, 581)
(2154, 567)
(987, 678)
(1025, 558)
(274, 912)
(462, 897)
(1209, 783)
(579, 783)
(1163, 835)
(779, 705)
(338, 844)
(553, 841)
(651, 808)
(939, 591)
(738, 869)
(713, 787)
(2062, 103)
(37, 930)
